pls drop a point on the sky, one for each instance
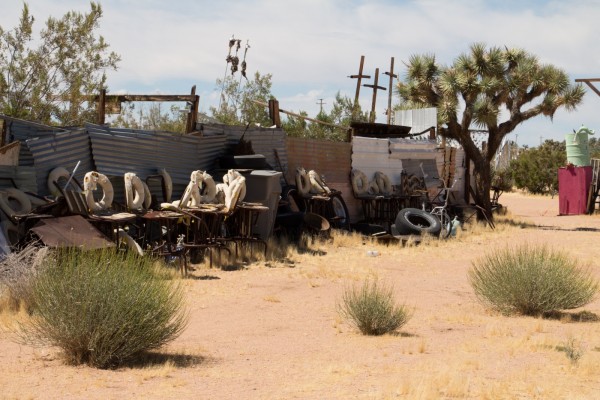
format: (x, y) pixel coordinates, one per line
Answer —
(312, 46)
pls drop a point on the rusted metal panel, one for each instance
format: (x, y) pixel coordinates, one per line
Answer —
(370, 155)
(71, 231)
(64, 149)
(331, 159)
(9, 154)
(117, 151)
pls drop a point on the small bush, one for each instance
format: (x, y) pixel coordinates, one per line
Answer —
(531, 280)
(103, 308)
(17, 272)
(372, 309)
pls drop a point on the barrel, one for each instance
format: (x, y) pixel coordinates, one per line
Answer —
(578, 152)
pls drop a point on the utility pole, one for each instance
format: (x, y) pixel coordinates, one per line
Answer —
(375, 88)
(392, 76)
(320, 103)
(359, 77)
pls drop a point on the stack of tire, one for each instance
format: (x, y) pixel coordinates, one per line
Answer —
(413, 221)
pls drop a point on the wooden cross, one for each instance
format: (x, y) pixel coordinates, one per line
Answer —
(392, 76)
(375, 88)
(359, 77)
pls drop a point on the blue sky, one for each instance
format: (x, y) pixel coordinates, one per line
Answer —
(311, 46)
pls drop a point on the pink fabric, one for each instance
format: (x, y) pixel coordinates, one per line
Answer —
(573, 189)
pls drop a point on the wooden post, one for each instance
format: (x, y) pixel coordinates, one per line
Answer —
(102, 107)
(274, 112)
(4, 131)
(190, 125)
(392, 76)
(359, 77)
(431, 133)
(375, 88)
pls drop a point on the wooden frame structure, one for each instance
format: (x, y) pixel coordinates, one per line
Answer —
(113, 101)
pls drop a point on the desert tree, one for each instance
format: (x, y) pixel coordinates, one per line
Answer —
(50, 79)
(493, 89)
(238, 100)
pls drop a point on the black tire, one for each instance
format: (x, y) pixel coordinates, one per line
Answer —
(340, 216)
(410, 221)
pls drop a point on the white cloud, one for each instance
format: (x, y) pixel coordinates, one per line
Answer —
(311, 47)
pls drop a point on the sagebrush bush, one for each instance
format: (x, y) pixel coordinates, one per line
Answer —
(531, 280)
(372, 309)
(103, 308)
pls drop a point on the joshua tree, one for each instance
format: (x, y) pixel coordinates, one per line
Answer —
(481, 87)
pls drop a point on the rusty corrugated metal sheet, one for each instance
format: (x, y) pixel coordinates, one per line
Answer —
(62, 149)
(264, 140)
(331, 159)
(117, 151)
(71, 231)
(370, 155)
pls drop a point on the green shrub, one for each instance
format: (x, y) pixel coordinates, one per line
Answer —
(103, 308)
(372, 309)
(531, 280)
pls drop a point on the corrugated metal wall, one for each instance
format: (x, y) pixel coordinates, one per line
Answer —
(331, 159)
(370, 155)
(418, 120)
(21, 130)
(24, 178)
(63, 149)
(264, 140)
(117, 151)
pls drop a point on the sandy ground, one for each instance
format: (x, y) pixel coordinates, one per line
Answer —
(271, 330)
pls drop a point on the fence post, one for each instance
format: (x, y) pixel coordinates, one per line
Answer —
(274, 112)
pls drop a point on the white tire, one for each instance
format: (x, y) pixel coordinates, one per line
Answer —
(14, 202)
(360, 183)
(53, 177)
(302, 181)
(373, 189)
(134, 191)
(383, 183)
(147, 196)
(91, 180)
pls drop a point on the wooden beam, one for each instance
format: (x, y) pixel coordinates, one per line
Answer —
(590, 84)
(121, 98)
(392, 76)
(375, 87)
(303, 117)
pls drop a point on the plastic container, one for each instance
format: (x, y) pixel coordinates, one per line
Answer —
(578, 152)
(264, 187)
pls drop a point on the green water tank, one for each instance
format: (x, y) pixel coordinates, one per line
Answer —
(578, 152)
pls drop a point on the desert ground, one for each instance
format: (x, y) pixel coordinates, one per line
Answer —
(270, 330)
